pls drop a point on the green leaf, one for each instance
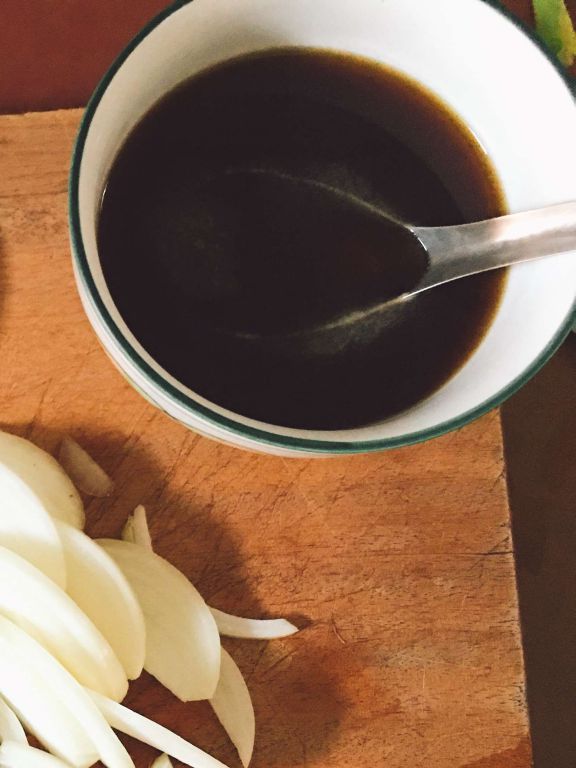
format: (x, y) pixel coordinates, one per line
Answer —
(555, 28)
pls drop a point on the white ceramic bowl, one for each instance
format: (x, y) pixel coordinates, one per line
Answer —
(476, 58)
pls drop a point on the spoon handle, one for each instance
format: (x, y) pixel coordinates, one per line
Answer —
(466, 249)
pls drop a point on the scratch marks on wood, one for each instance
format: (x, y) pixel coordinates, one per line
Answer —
(257, 662)
(337, 631)
(424, 680)
(501, 548)
(37, 412)
(282, 660)
(501, 477)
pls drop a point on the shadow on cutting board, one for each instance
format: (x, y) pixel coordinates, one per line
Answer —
(540, 440)
(294, 691)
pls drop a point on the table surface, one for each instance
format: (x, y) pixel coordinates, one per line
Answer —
(400, 564)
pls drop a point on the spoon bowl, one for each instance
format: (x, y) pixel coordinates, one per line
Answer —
(410, 259)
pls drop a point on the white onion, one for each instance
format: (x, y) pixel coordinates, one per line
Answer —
(252, 629)
(136, 528)
(182, 640)
(102, 592)
(85, 473)
(53, 706)
(13, 755)
(139, 727)
(233, 707)
(27, 529)
(136, 531)
(44, 477)
(33, 699)
(10, 727)
(78, 618)
(47, 613)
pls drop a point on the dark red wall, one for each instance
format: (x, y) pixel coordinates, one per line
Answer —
(53, 52)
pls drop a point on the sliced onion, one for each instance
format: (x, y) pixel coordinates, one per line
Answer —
(98, 586)
(13, 755)
(48, 614)
(136, 529)
(86, 474)
(233, 707)
(52, 705)
(44, 476)
(10, 727)
(27, 528)
(182, 641)
(254, 629)
(162, 762)
(33, 699)
(147, 731)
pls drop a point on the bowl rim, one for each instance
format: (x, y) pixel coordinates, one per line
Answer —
(222, 422)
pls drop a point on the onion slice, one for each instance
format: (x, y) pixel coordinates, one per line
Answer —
(27, 529)
(44, 477)
(162, 762)
(13, 755)
(233, 707)
(10, 727)
(147, 731)
(136, 528)
(136, 531)
(100, 589)
(52, 705)
(34, 701)
(47, 613)
(182, 640)
(86, 474)
(252, 629)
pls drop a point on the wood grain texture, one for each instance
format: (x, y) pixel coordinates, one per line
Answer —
(400, 564)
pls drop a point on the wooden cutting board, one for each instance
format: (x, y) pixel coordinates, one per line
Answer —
(399, 565)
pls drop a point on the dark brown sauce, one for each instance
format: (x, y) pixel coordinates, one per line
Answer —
(197, 258)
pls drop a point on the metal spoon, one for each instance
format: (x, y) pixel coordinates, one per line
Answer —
(440, 255)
